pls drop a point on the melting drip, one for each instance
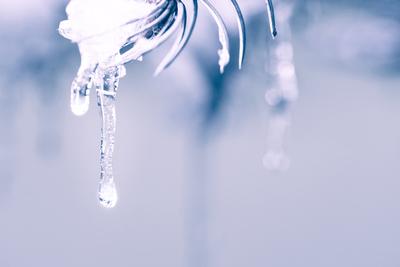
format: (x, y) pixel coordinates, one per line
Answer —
(80, 90)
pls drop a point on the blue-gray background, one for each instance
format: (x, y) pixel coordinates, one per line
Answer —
(192, 188)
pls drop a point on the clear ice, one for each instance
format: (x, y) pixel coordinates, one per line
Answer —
(106, 93)
(110, 33)
(101, 28)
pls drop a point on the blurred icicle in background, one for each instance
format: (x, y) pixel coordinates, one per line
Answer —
(188, 157)
(283, 90)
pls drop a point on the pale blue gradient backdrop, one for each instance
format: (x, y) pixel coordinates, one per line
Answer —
(188, 159)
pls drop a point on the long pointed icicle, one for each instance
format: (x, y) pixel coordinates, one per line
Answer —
(106, 94)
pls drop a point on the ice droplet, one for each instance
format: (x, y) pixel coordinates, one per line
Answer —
(80, 90)
(79, 104)
(107, 194)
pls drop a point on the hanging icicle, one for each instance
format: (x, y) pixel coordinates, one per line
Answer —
(110, 33)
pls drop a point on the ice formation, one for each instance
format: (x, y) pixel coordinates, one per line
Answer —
(110, 33)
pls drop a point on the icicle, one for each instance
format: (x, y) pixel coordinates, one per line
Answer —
(106, 94)
(112, 33)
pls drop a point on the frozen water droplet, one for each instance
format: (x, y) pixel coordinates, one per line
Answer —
(108, 196)
(80, 90)
(79, 104)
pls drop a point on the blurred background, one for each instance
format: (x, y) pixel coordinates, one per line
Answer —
(195, 189)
